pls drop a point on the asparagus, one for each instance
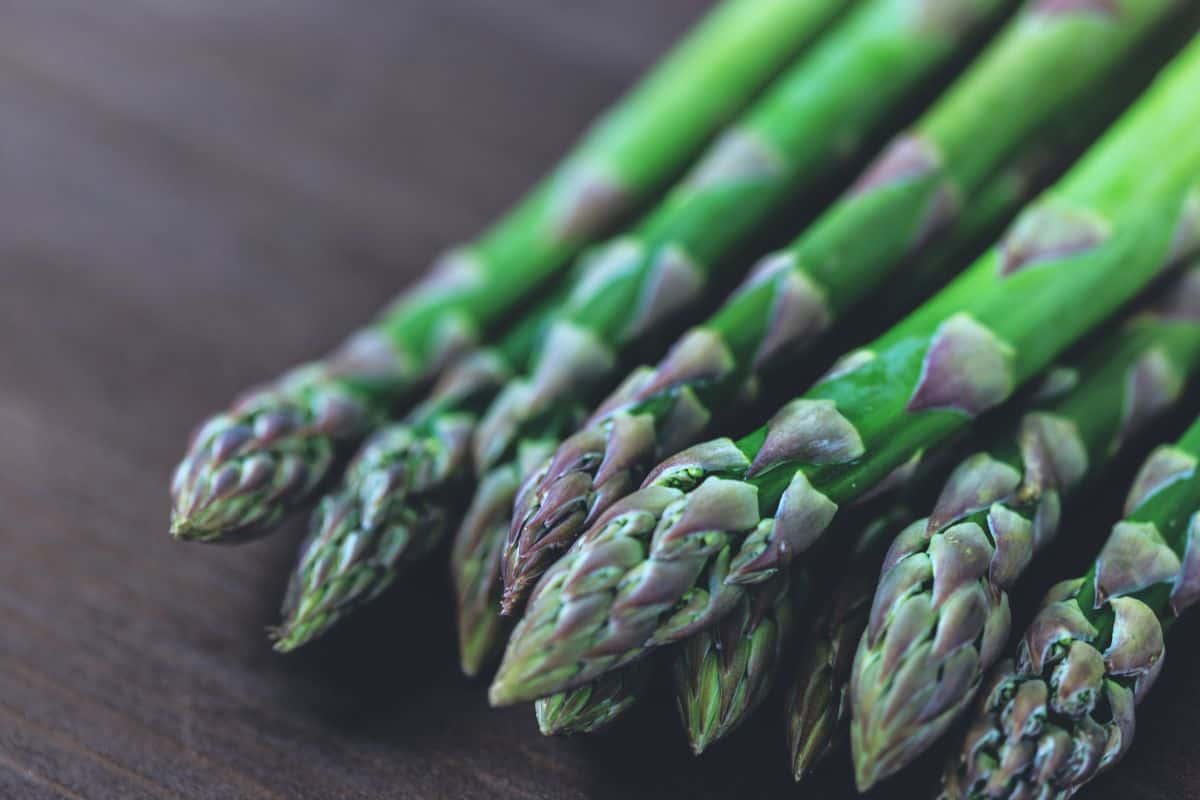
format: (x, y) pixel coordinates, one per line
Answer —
(394, 503)
(673, 557)
(724, 673)
(1065, 711)
(816, 113)
(818, 710)
(475, 562)
(247, 467)
(941, 612)
(593, 706)
(1051, 60)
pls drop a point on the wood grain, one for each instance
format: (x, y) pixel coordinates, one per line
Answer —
(196, 195)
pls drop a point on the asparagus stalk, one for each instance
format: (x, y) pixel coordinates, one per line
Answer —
(394, 505)
(1065, 711)
(817, 707)
(673, 556)
(941, 612)
(723, 674)
(818, 711)
(593, 706)
(816, 113)
(475, 562)
(1053, 58)
(247, 467)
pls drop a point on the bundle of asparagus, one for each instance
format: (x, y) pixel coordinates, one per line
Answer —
(715, 690)
(610, 544)
(823, 108)
(1048, 62)
(625, 292)
(673, 557)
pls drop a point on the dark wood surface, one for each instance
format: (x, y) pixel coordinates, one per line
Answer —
(194, 195)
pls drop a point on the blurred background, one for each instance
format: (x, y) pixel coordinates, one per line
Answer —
(195, 195)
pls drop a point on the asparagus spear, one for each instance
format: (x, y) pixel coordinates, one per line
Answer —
(818, 710)
(1051, 59)
(723, 674)
(1065, 711)
(671, 557)
(247, 467)
(817, 112)
(475, 562)
(940, 613)
(394, 504)
(593, 706)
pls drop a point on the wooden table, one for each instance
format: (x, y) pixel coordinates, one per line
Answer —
(196, 194)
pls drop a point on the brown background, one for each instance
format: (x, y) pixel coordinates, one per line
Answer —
(194, 194)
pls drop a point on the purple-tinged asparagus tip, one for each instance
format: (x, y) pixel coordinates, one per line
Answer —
(475, 569)
(247, 469)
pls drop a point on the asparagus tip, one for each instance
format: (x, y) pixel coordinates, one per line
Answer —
(867, 771)
(469, 665)
(500, 694)
(546, 725)
(186, 528)
(510, 600)
(286, 637)
(181, 529)
(479, 637)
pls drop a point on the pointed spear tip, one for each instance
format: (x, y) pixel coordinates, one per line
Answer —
(868, 767)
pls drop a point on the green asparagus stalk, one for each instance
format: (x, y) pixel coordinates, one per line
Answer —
(1053, 58)
(595, 705)
(249, 466)
(394, 505)
(674, 556)
(723, 674)
(941, 612)
(818, 709)
(475, 561)
(1064, 711)
(815, 114)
